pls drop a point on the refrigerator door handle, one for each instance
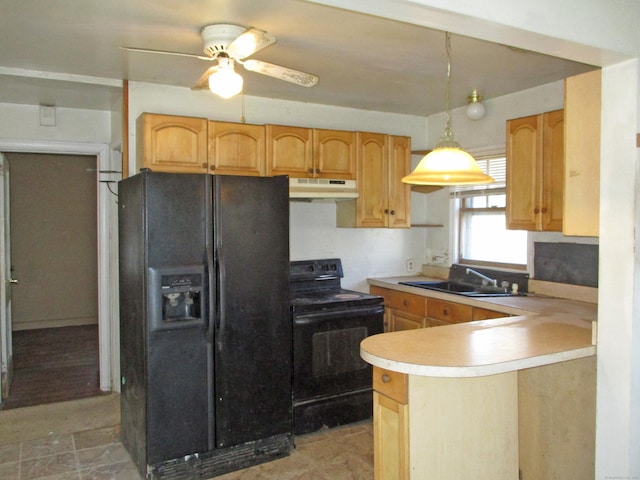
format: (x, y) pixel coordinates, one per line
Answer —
(211, 303)
(220, 317)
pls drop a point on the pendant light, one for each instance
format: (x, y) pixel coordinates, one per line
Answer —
(447, 163)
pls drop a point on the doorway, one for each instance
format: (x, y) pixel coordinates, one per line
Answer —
(54, 259)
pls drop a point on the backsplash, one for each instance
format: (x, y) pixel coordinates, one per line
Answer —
(570, 263)
(458, 273)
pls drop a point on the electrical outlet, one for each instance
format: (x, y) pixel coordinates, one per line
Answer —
(410, 265)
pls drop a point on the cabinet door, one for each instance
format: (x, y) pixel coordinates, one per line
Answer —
(524, 150)
(552, 171)
(390, 425)
(582, 99)
(373, 203)
(399, 194)
(449, 312)
(168, 143)
(334, 154)
(399, 320)
(289, 151)
(236, 149)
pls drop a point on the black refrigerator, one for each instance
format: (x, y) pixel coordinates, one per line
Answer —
(205, 329)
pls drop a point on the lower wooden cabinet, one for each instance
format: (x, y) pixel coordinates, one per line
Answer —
(403, 311)
(485, 314)
(399, 320)
(390, 425)
(406, 311)
(448, 312)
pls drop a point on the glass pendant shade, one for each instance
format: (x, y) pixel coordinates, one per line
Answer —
(475, 109)
(447, 165)
(225, 82)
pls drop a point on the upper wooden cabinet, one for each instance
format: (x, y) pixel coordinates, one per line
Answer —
(384, 201)
(168, 143)
(236, 149)
(310, 153)
(289, 151)
(582, 102)
(535, 172)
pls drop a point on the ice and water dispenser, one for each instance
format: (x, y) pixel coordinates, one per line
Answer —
(177, 297)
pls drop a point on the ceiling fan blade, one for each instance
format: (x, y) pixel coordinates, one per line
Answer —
(283, 73)
(203, 81)
(249, 42)
(165, 52)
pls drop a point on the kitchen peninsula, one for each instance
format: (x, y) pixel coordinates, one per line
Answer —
(490, 399)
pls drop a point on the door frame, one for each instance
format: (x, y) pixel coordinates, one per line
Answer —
(107, 270)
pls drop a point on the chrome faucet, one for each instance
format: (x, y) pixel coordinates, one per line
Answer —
(484, 278)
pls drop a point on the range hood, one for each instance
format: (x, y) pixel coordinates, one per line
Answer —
(322, 189)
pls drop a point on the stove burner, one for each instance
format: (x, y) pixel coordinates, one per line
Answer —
(347, 296)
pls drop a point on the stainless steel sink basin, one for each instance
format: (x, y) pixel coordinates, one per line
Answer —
(460, 289)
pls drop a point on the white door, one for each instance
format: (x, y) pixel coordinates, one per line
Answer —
(6, 352)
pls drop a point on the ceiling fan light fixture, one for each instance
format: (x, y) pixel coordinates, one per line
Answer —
(447, 164)
(225, 82)
(475, 109)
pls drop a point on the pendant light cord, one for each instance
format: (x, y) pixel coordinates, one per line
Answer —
(448, 129)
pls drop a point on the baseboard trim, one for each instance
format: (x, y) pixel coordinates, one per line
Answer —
(55, 323)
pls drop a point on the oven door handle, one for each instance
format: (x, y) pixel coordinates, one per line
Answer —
(311, 318)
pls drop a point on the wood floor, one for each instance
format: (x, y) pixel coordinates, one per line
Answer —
(54, 365)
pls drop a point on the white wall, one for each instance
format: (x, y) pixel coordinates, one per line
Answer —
(22, 122)
(364, 252)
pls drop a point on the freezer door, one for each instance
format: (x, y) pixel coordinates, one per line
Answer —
(252, 336)
(172, 363)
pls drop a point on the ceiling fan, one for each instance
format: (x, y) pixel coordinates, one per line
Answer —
(230, 44)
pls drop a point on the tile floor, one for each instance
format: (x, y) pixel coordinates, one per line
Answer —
(80, 440)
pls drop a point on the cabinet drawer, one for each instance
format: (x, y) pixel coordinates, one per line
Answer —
(391, 384)
(448, 311)
(406, 302)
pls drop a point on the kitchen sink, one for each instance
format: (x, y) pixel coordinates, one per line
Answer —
(460, 289)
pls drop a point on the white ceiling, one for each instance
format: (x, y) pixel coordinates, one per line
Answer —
(66, 53)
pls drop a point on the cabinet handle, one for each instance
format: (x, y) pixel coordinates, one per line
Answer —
(204, 165)
(310, 170)
(393, 212)
(446, 311)
(386, 378)
(544, 210)
(386, 211)
(536, 210)
(317, 170)
(212, 167)
(405, 302)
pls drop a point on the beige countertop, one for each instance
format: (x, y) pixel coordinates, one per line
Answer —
(518, 305)
(481, 348)
(544, 331)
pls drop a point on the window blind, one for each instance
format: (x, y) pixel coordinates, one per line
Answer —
(494, 166)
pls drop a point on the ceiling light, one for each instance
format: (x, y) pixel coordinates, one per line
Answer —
(447, 163)
(475, 109)
(225, 82)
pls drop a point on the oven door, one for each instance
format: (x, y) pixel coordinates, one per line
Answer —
(326, 351)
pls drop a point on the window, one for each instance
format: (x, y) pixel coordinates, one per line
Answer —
(483, 238)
